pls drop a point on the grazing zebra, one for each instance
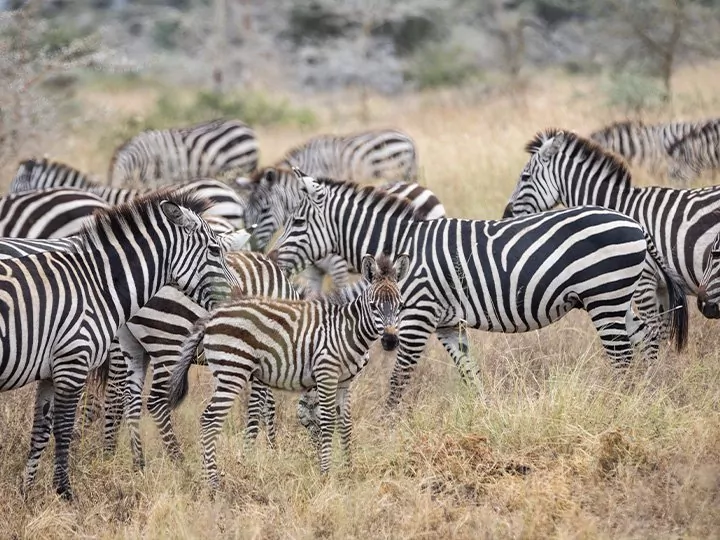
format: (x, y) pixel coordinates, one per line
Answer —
(49, 213)
(709, 290)
(43, 174)
(84, 296)
(512, 275)
(698, 151)
(162, 326)
(274, 193)
(182, 154)
(642, 144)
(358, 157)
(295, 345)
(567, 169)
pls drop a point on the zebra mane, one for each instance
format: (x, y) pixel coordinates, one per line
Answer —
(124, 214)
(581, 147)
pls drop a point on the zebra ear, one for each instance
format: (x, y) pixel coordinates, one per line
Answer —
(402, 266)
(182, 217)
(551, 147)
(314, 190)
(368, 268)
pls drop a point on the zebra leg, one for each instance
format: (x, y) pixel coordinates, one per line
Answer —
(342, 403)
(256, 409)
(327, 389)
(612, 327)
(114, 400)
(455, 341)
(269, 414)
(67, 396)
(307, 414)
(414, 334)
(40, 435)
(642, 337)
(136, 372)
(213, 417)
(159, 408)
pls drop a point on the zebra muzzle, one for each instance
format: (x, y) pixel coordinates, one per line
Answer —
(389, 338)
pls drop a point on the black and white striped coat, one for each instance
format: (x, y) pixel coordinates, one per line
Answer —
(567, 169)
(646, 145)
(695, 153)
(357, 157)
(165, 156)
(44, 174)
(295, 345)
(59, 311)
(274, 193)
(512, 275)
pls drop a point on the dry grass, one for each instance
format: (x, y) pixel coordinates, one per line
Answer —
(559, 445)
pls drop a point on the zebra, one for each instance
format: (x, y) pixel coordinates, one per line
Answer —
(273, 193)
(81, 299)
(699, 150)
(295, 345)
(161, 327)
(42, 174)
(49, 213)
(357, 157)
(708, 298)
(513, 275)
(565, 168)
(642, 144)
(182, 154)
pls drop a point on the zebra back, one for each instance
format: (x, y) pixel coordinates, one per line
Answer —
(43, 174)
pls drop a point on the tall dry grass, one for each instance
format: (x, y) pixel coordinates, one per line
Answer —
(558, 445)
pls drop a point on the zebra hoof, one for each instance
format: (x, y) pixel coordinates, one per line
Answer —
(65, 493)
(139, 464)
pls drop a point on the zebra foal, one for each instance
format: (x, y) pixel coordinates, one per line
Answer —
(513, 275)
(295, 345)
(59, 311)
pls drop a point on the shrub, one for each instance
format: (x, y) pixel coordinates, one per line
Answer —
(440, 65)
(634, 93)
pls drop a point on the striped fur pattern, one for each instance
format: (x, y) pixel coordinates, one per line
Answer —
(162, 326)
(84, 296)
(43, 174)
(645, 145)
(275, 193)
(512, 275)
(370, 155)
(708, 299)
(295, 345)
(567, 169)
(695, 153)
(207, 149)
(50, 213)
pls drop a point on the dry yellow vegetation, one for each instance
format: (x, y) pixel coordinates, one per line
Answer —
(559, 445)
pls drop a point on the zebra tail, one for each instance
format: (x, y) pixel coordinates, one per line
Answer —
(678, 298)
(178, 385)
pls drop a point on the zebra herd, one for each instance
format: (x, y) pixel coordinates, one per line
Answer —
(121, 278)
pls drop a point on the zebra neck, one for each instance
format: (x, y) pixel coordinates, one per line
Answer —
(356, 326)
(608, 189)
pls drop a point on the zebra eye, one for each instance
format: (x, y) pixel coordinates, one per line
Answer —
(298, 221)
(715, 254)
(215, 250)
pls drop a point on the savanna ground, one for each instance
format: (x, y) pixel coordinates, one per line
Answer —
(559, 444)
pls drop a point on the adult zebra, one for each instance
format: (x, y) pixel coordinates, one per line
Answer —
(698, 151)
(294, 345)
(642, 144)
(41, 174)
(273, 193)
(84, 296)
(567, 169)
(48, 213)
(357, 157)
(513, 275)
(181, 154)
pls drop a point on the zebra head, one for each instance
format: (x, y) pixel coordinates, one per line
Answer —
(680, 167)
(538, 188)
(307, 237)
(272, 195)
(708, 298)
(198, 266)
(383, 301)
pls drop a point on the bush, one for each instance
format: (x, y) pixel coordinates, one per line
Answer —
(440, 65)
(634, 93)
(165, 33)
(411, 32)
